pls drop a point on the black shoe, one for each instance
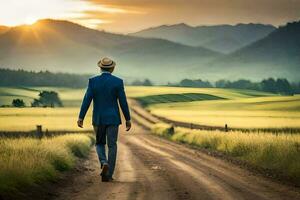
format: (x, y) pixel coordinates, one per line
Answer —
(111, 179)
(104, 173)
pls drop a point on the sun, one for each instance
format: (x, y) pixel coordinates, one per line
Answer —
(30, 20)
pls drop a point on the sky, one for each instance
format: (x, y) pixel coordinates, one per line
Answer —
(126, 16)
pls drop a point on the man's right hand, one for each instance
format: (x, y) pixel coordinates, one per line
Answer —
(80, 123)
(128, 125)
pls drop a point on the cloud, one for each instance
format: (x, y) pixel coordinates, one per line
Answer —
(133, 15)
(196, 12)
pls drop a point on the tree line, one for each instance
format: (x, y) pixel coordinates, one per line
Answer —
(46, 99)
(21, 77)
(279, 85)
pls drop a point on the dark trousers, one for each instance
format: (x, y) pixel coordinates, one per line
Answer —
(107, 134)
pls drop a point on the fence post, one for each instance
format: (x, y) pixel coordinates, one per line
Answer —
(39, 131)
(171, 130)
(191, 126)
(226, 128)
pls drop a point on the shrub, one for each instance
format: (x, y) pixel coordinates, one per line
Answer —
(18, 103)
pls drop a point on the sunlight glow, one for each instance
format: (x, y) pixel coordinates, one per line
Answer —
(30, 21)
(16, 12)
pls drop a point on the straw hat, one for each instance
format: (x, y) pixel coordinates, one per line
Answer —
(106, 63)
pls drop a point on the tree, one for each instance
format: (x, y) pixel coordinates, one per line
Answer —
(195, 83)
(147, 82)
(23, 78)
(284, 87)
(280, 86)
(36, 103)
(18, 103)
(221, 83)
(296, 88)
(47, 99)
(269, 85)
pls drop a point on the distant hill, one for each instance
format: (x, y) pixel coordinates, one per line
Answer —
(222, 38)
(67, 47)
(276, 55)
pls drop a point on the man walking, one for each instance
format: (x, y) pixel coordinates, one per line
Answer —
(106, 91)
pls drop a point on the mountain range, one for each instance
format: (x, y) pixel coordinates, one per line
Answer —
(63, 46)
(221, 38)
(276, 55)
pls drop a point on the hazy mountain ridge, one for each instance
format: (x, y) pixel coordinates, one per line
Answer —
(68, 47)
(277, 54)
(222, 38)
(62, 46)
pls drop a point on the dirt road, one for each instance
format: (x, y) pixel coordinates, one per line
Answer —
(149, 167)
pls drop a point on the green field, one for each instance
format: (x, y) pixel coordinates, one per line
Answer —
(259, 112)
(205, 106)
(69, 96)
(217, 107)
(142, 91)
(73, 97)
(53, 119)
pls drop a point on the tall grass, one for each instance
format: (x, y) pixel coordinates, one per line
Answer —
(25, 162)
(277, 153)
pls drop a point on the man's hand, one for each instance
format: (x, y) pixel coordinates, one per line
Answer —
(80, 123)
(128, 125)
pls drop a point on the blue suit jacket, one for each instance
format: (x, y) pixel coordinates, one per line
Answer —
(105, 91)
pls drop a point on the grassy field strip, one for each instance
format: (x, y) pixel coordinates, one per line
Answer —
(258, 112)
(142, 91)
(69, 96)
(280, 154)
(25, 162)
(53, 119)
(241, 109)
(171, 98)
(73, 97)
(234, 119)
(278, 103)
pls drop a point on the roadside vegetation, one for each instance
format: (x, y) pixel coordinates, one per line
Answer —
(25, 162)
(279, 154)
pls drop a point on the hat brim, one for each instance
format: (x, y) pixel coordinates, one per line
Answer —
(113, 64)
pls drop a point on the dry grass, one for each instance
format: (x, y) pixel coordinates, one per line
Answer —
(278, 153)
(53, 119)
(25, 162)
(258, 112)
